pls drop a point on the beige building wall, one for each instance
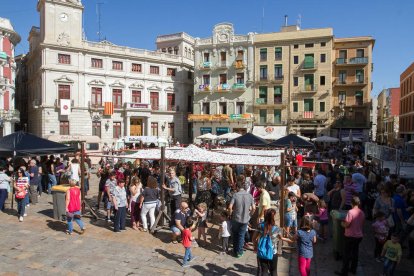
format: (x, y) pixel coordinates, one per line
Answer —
(348, 81)
(295, 44)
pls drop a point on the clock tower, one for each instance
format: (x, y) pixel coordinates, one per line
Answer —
(61, 22)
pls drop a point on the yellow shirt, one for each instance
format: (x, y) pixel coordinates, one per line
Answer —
(264, 202)
(393, 251)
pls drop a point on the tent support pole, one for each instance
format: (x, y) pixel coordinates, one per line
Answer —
(282, 188)
(163, 211)
(84, 204)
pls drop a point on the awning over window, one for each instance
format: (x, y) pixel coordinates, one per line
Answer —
(359, 93)
(270, 132)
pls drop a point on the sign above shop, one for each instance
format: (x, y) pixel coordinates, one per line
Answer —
(218, 117)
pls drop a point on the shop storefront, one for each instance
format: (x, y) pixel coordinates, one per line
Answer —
(205, 130)
(222, 130)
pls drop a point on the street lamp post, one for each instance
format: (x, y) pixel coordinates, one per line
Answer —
(340, 116)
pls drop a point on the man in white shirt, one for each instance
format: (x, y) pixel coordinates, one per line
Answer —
(320, 184)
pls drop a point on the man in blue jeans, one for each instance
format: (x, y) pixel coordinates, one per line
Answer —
(241, 209)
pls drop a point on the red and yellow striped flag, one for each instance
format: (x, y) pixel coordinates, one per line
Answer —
(108, 108)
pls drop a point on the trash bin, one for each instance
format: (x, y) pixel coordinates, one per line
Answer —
(338, 232)
(59, 201)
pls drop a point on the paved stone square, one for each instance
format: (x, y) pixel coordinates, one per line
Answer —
(39, 246)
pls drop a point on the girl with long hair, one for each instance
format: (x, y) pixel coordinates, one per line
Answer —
(268, 228)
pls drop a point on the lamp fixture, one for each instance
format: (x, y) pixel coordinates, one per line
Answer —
(107, 125)
(163, 126)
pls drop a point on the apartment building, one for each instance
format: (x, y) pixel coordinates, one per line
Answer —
(9, 116)
(352, 87)
(406, 129)
(388, 108)
(223, 80)
(293, 80)
(80, 87)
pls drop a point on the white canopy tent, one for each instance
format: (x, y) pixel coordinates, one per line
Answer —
(243, 151)
(304, 137)
(228, 136)
(325, 139)
(352, 139)
(207, 136)
(195, 154)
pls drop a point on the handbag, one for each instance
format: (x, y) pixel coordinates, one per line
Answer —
(21, 194)
(73, 215)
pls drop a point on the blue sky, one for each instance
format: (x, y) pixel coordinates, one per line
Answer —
(136, 23)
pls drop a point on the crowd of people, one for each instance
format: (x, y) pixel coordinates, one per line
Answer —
(30, 178)
(244, 201)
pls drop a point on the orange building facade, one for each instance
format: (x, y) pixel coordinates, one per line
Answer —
(407, 104)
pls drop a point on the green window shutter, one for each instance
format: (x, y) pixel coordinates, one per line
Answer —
(309, 61)
(262, 115)
(322, 106)
(295, 107)
(278, 90)
(308, 104)
(263, 91)
(263, 50)
(277, 116)
(309, 79)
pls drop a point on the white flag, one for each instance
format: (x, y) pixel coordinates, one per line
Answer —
(64, 107)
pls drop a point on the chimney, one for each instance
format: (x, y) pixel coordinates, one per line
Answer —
(287, 28)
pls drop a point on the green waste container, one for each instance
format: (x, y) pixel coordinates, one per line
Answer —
(338, 232)
(59, 201)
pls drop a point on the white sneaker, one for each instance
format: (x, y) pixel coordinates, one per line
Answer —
(20, 218)
(25, 215)
(28, 205)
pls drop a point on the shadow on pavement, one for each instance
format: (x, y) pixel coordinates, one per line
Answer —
(213, 269)
(170, 256)
(57, 225)
(102, 224)
(163, 235)
(10, 212)
(47, 212)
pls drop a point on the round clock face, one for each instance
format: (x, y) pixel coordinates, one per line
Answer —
(63, 17)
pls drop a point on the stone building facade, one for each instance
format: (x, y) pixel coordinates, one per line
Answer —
(223, 82)
(79, 87)
(9, 116)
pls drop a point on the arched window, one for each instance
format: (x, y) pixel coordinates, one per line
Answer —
(185, 51)
(170, 51)
(164, 50)
(175, 50)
